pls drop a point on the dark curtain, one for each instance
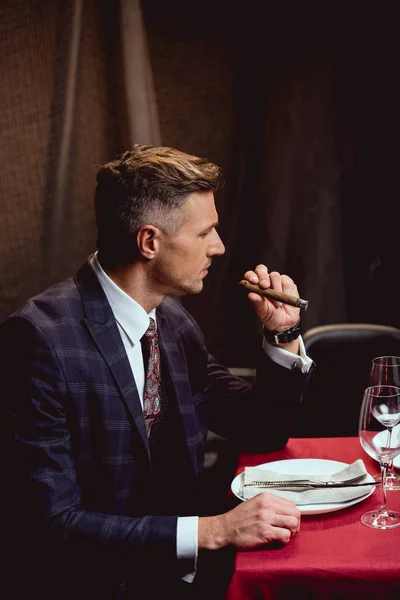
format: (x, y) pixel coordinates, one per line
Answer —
(298, 104)
(76, 90)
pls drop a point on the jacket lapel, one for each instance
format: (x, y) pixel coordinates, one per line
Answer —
(102, 326)
(176, 366)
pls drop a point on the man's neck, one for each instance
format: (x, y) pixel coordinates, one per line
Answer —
(133, 280)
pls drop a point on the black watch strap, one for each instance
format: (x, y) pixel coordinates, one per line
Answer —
(282, 337)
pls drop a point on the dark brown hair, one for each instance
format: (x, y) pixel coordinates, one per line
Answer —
(147, 184)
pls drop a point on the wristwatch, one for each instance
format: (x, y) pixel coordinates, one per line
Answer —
(283, 337)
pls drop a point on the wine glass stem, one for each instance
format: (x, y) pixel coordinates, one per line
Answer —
(383, 484)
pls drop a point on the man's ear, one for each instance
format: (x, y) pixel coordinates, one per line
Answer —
(147, 241)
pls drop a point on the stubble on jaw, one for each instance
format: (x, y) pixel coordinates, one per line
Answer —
(172, 287)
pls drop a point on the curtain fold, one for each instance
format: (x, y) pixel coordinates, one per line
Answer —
(60, 161)
(143, 122)
(77, 89)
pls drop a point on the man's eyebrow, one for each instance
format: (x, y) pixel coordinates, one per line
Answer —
(213, 226)
(210, 227)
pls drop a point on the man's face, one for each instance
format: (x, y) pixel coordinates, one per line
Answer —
(183, 259)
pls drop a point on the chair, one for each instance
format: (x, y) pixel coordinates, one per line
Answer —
(343, 354)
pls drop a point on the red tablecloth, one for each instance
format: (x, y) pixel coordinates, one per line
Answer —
(334, 556)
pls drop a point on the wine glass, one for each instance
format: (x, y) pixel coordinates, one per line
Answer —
(380, 413)
(386, 370)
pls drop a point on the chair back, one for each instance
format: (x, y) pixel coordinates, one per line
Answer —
(343, 354)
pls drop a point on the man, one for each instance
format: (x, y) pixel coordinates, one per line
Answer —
(104, 461)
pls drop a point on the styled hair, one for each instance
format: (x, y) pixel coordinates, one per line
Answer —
(148, 184)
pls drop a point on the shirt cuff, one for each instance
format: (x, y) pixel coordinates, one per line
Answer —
(288, 359)
(187, 546)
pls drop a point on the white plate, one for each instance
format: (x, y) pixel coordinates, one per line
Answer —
(313, 466)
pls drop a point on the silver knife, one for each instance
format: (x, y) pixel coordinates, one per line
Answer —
(288, 484)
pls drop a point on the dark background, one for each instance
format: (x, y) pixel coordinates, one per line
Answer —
(297, 102)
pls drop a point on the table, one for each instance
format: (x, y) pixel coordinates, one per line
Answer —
(334, 556)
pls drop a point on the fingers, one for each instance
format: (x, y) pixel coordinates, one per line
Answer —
(274, 280)
(265, 279)
(279, 527)
(286, 514)
(273, 314)
(259, 276)
(263, 519)
(289, 523)
(288, 286)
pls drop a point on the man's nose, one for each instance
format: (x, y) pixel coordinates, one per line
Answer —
(217, 247)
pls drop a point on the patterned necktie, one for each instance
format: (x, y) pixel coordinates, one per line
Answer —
(152, 389)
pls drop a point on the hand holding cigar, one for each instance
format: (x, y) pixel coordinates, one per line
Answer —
(273, 295)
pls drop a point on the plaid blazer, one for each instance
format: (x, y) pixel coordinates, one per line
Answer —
(75, 430)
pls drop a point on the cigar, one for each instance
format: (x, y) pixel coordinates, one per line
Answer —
(273, 295)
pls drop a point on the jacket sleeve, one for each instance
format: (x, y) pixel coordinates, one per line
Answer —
(258, 417)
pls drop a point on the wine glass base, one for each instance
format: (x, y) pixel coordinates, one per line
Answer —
(392, 481)
(377, 520)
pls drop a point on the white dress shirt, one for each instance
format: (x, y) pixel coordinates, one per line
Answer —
(133, 321)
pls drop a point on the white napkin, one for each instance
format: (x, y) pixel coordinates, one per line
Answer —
(307, 495)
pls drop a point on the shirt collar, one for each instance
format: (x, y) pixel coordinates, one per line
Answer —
(129, 314)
